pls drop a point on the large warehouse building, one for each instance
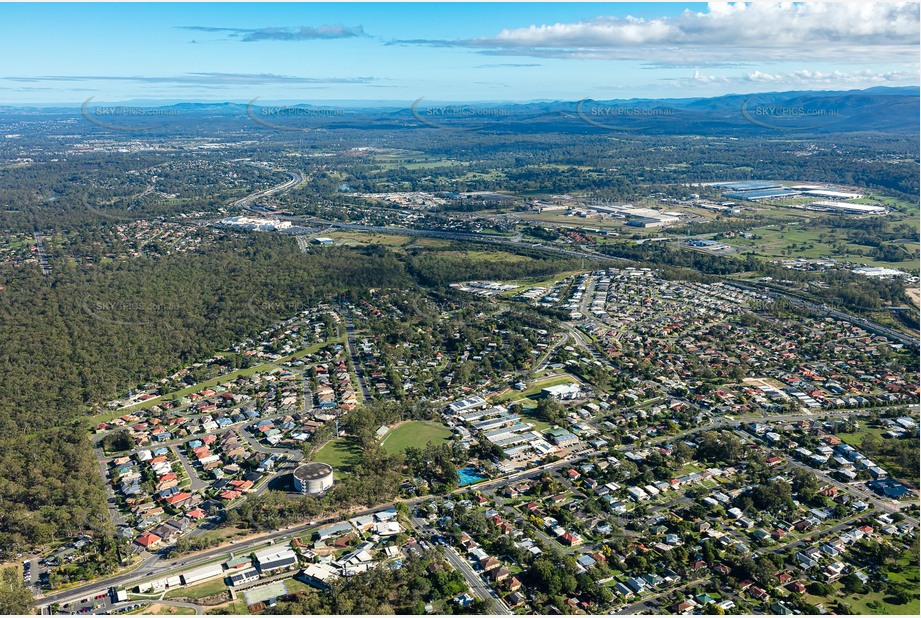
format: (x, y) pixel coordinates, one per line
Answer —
(313, 478)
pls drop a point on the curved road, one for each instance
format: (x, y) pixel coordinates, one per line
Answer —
(297, 177)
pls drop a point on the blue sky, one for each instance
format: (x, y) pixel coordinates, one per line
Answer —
(66, 53)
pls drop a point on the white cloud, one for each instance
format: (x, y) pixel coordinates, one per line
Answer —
(805, 77)
(725, 32)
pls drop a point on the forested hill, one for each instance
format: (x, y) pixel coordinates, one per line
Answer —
(93, 333)
(90, 334)
(818, 112)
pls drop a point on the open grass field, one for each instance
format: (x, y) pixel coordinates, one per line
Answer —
(198, 591)
(487, 256)
(370, 238)
(411, 160)
(414, 433)
(421, 241)
(880, 603)
(801, 237)
(342, 454)
(856, 439)
(790, 244)
(689, 468)
(224, 533)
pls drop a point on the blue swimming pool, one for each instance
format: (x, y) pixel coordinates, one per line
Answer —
(469, 476)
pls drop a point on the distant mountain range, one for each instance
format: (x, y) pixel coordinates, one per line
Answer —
(878, 109)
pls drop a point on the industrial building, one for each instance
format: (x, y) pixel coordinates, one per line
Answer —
(748, 185)
(209, 571)
(848, 207)
(832, 195)
(761, 194)
(313, 478)
(255, 223)
(639, 217)
(650, 221)
(880, 272)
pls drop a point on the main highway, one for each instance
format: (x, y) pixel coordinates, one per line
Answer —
(297, 177)
(157, 564)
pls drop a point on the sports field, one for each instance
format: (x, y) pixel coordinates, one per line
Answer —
(414, 433)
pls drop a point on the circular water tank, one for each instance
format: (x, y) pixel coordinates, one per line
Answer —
(313, 478)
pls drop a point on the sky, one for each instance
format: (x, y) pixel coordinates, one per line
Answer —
(68, 53)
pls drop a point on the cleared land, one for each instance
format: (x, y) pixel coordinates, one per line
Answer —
(198, 591)
(414, 433)
(342, 454)
(856, 439)
(368, 238)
